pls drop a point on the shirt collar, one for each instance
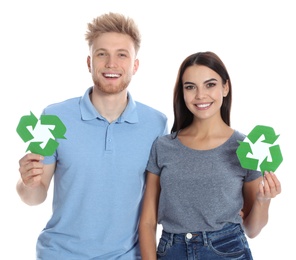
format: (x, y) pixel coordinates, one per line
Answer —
(89, 112)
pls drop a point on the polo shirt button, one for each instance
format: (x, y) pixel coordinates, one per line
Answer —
(188, 235)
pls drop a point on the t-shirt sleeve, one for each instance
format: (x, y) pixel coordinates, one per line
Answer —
(153, 164)
(252, 175)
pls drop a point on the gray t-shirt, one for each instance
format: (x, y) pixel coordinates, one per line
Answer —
(201, 190)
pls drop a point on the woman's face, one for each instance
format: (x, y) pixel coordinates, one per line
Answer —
(203, 91)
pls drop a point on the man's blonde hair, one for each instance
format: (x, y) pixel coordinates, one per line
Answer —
(113, 22)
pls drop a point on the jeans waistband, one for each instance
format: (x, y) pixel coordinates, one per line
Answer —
(202, 236)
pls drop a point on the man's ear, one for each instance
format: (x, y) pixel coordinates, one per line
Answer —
(88, 63)
(136, 66)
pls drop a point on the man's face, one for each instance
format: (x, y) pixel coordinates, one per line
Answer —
(112, 62)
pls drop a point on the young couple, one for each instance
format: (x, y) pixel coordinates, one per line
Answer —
(111, 188)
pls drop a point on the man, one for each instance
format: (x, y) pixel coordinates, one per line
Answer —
(99, 169)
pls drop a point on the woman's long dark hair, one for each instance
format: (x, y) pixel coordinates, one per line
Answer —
(182, 116)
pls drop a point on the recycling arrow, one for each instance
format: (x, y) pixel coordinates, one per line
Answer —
(22, 130)
(277, 158)
(244, 149)
(50, 120)
(267, 131)
(51, 146)
(59, 130)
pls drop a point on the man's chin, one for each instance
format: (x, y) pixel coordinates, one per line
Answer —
(109, 90)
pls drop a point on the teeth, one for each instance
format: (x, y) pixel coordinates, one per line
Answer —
(112, 75)
(203, 105)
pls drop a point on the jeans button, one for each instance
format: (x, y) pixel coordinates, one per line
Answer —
(188, 235)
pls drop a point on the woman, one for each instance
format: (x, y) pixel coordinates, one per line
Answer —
(196, 188)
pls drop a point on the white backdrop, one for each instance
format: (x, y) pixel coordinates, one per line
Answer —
(43, 60)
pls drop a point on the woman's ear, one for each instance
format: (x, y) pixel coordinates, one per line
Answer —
(225, 89)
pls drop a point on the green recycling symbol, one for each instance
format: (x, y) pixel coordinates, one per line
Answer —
(45, 120)
(245, 148)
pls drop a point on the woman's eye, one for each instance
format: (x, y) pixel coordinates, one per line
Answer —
(211, 84)
(188, 87)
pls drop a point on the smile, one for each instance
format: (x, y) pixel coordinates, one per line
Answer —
(111, 75)
(203, 106)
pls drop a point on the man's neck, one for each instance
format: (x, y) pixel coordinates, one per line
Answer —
(110, 106)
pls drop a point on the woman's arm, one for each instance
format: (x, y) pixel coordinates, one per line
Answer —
(148, 219)
(257, 196)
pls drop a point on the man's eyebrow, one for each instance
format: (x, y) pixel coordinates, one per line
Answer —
(106, 50)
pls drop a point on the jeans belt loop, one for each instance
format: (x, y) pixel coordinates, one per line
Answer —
(205, 239)
(171, 239)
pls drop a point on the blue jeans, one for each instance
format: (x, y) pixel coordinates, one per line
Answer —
(229, 243)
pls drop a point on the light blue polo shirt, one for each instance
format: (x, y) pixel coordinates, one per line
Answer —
(99, 181)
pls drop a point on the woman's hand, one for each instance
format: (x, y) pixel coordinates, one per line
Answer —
(269, 188)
